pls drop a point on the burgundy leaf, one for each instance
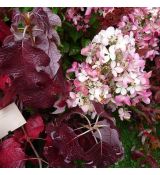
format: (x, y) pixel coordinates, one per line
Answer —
(157, 62)
(62, 87)
(111, 149)
(19, 135)
(113, 18)
(40, 28)
(147, 159)
(34, 126)
(157, 96)
(61, 150)
(54, 19)
(7, 93)
(23, 63)
(12, 155)
(51, 50)
(99, 108)
(73, 146)
(4, 31)
(44, 19)
(5, 11)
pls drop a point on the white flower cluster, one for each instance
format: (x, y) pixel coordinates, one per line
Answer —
(112, 74)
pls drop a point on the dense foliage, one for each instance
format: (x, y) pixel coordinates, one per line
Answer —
(74, 73)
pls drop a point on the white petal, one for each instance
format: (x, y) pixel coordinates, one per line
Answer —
(105, 41)
(147, 101)
(82, 77)
(133, 76)
(96, 39)
(120, 111)
(118, 64)
(118, 85)
(138, 88)
(72, 95)
(83, 72)
(123, 91)
(137, 81)
(92, 91)
(118, 90)
(112, 56)
(110, 31)
(113, 64)
(127, 115)
(98, 93)
(106, 58)
(91, 97)
(103, 50)
(76, 102)
(132, 90)
(119, 69)
(114, 73)
(121, 117)
(94, 66)
(85, 108)
(89, 60)
(112, 49)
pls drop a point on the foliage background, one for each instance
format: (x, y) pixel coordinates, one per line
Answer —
(71, 43)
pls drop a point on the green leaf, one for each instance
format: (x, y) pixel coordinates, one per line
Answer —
(74, 34)
(74, 50)
(26, 9)
(6, 19)
(93, 19)
(66, 64)
(85, 42)
(55, 10)
(80, 58)
(65, 47)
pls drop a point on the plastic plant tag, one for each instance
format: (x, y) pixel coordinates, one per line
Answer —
(10, 119)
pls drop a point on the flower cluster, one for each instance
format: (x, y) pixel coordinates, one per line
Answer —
(144, 23)
(112, 74)
(113, 16)
(80, 17)
(103, 11)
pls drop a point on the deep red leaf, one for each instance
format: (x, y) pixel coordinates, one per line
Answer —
(147, 159)
(23, 63)
(34, 126)
(4, 31)
(41, 23)
(11, 154)
(66, 145)
(59, 150)
(6, 11)
(111, 149)
(7, 93)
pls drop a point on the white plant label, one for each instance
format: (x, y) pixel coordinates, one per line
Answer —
(10, 119)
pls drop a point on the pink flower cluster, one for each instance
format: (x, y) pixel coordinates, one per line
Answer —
(112, 74)
(144, 23)
(80, 17)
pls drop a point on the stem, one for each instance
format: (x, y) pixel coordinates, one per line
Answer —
(90, 125)
(140, 113)
(35, 158)
(33, 148)
(37, 138)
